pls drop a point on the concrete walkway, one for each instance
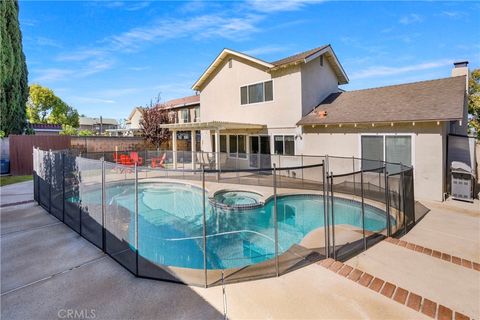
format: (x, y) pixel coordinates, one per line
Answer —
(47, 270)
(16, 193)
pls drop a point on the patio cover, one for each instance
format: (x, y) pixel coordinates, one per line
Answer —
(212, 125)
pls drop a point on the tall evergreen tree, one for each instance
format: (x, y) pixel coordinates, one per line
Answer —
(13, 71)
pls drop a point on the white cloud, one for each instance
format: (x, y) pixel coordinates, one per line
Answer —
(279, 5)
(91, 100)
(57, 74)
(453, 14)
(47, 42)
(411, 18)
(204, 26)
(51, 74)
(380, 71)
(265, 50)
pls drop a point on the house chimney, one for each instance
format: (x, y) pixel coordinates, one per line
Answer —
(460, 68)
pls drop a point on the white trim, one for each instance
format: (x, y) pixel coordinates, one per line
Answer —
(411, 135)
(218, 60)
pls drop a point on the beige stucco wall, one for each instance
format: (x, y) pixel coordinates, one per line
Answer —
(317, 83)
(135, 120)
(220, 98)
(296, 90)
(428, 154)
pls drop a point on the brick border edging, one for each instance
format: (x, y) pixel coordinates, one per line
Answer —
(391, 291)
(435, 254)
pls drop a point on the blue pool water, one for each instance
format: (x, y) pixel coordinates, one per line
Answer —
(170, 225)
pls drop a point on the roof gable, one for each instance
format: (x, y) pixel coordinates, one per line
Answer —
(303, 57)
(433, 100)
(222, 57)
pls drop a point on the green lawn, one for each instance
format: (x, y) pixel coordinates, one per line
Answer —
(13, 179)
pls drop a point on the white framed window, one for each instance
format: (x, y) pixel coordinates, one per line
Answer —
(256, 92)
(185, 115)
(284, 145)
(197, 114)
(237, 146)
(393, 148)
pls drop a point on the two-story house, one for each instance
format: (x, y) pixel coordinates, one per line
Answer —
(294, 106)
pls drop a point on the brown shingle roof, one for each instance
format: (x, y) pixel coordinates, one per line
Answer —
(298, 57)
(434, 100)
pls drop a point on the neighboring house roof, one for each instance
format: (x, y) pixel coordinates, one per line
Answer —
(46, 127)
(434, 100)
(182, 102)
(87, 121)
(303, 57)
(132, 113)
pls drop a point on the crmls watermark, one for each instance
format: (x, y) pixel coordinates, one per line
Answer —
(76, 314)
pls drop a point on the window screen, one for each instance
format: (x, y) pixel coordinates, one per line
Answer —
(243, 94)
(223, 143)
(233, 145)
(268, 91)
(242, 151)
(289, 145)
(372, 149)
(278, 144)
(398, 149)
(255, 93)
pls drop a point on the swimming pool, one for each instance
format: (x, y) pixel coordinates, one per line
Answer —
(170, 225)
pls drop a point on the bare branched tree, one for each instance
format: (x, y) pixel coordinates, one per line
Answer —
(153, 115)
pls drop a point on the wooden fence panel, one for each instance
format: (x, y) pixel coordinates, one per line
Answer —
(21, 146)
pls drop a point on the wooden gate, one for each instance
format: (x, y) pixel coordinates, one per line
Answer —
(21, 146)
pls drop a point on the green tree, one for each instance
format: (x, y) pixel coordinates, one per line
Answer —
(68, 130)
(86, 133)
(474, 101)
(13, 71)
(43, 106)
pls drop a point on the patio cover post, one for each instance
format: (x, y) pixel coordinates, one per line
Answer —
(174, 148)
(217, 149)
(194, 148)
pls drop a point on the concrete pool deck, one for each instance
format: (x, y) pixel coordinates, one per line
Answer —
(48, 269)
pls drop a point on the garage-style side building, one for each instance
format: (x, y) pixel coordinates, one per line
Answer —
(406, 123)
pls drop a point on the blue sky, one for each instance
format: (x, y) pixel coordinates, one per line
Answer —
(106, 57)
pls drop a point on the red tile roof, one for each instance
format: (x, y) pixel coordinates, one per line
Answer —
(181, 102)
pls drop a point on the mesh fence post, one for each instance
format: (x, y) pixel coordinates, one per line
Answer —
(325, 226)
(301, 159)
(387, 201)
(104, 233)
(363, 212)
(204, 218)
(50, 181)
(353, 168)
(327, 222)
(136, 219)
(333, 216)
(402, 199)
(63, 185)
(275, 220)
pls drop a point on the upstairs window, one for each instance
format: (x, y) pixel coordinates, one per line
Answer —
(185, 115)
(258, 92)
(197, 114)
